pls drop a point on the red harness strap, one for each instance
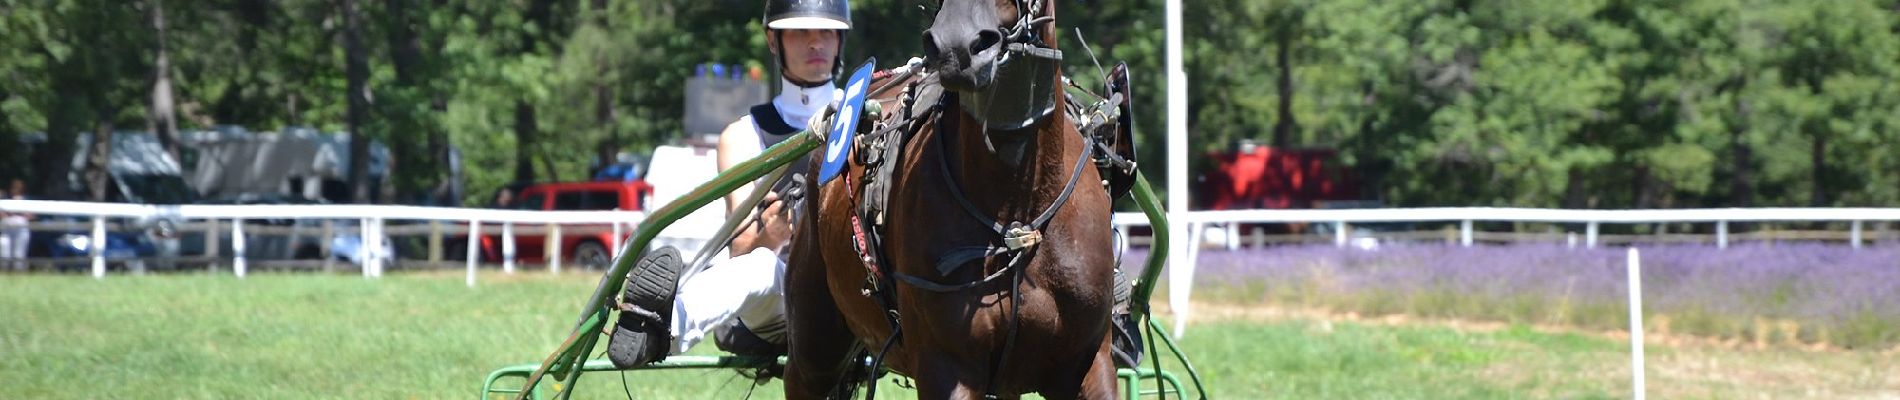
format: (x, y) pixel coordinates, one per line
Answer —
(862, 244)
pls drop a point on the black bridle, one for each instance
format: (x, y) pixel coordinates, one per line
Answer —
(1024, 62)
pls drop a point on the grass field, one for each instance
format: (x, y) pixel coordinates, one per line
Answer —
(426, 335)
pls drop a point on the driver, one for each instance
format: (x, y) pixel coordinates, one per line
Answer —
(739, 300)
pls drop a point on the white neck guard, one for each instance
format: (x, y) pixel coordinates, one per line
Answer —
(797, 104)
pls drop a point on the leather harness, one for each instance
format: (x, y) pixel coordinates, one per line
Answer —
(1026, 63)
(881, 149)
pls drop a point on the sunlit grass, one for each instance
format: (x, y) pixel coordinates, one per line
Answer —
(293, 336)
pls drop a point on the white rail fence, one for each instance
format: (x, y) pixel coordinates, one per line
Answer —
(371, 221)
(1466, 216)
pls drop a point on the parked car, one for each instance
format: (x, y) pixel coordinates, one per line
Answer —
(344, 240)
(588, 249)
(125, 239)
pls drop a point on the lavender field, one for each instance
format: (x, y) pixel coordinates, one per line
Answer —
(1806, 293)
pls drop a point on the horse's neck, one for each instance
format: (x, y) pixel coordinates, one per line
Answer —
(980, 158)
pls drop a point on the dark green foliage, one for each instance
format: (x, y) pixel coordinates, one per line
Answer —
(1543, 103)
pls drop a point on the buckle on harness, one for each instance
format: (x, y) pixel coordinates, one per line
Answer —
(1021, 237)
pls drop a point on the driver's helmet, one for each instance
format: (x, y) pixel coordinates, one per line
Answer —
(808, 14)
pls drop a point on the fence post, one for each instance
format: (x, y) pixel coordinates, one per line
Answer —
(213, 235)
(613, 247)
(1233, 236)
(1590, 235)
(1464, 232)
(435, 241)
(1181, 277)
(508, 247)
(1856, 235)
(98, 247)
(1339, 233)
(553, 247)
(362, 247)
(474, 247)
(374, 245)
(237, 247)
(1721, 234)
(1636, 321)
(325, 248)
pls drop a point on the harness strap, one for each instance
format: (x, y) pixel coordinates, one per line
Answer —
(921, 283)
(943, 168)
(870, 248)
(1041, 221)
(876, 362)
(955, 258)
(1015, 325)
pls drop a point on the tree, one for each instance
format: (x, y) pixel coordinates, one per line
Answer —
(164, 118)
(80, 52)
(357, 71)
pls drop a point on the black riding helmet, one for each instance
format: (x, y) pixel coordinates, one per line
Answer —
(809, 14)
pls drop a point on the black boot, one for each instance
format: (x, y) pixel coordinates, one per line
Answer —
(1125, 331)
(642, 333)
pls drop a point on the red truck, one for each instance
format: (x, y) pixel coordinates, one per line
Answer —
(586, 245)
(1261, 177)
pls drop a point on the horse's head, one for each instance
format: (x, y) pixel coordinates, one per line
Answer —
(999, 56)
(965, 39)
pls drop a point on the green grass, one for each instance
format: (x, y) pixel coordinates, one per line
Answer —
(289, 336)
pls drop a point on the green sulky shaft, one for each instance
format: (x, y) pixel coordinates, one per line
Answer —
(566, 361)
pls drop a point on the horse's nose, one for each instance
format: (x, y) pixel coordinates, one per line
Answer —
(958, 46)
(985, 39)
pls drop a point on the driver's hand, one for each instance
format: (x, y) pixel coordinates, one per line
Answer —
(775, 227)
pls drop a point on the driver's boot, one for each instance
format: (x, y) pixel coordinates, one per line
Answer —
(1125, 331)
(642, 333)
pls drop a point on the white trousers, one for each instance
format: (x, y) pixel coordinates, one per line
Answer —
(748, 287)
(13, 242)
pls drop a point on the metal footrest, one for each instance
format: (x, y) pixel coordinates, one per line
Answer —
(1131, 378)
(522, 371)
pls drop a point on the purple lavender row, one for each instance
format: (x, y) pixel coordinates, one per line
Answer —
(1835, 293)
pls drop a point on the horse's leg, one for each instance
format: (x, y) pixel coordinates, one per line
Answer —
(938, 378)
(819, 340)
(1101, 383)
(1098, 383)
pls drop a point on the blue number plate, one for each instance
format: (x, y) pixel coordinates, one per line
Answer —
(838, 142)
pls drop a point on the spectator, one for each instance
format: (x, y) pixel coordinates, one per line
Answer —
(14, 232)
(504, 199)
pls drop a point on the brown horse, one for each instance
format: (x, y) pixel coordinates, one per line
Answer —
(994, 271)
